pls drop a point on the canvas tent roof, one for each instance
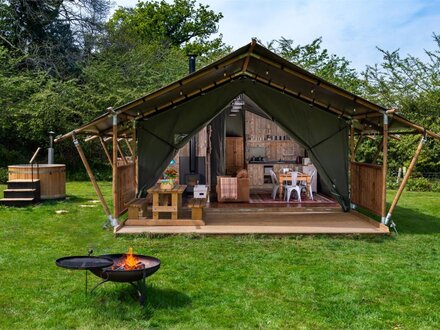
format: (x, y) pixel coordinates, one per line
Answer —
(260, 65)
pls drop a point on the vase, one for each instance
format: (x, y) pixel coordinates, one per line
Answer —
(167, 184)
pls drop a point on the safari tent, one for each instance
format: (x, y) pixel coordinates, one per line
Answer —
(185, 122)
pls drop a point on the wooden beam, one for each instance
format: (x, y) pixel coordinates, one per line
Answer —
(91, 176)
(248, 57)
(352, 145)
(322, 83)
(304, 98)
(121, 153)
(379, 149)
(384, 168)
(115, 186)
(405, 179)
(104, 147)
(417, 127)
(361, 137)
(368, 115)
(129, 147)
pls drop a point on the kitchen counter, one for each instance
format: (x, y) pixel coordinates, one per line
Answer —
(270, 162)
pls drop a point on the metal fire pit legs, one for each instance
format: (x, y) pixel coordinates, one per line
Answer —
(140, 288)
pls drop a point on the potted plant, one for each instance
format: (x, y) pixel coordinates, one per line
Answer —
(169, 179)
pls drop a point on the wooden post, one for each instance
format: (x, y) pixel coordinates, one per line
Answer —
(115, 185)
(405, 179)
(91, 176)
(352, 146)
(106, 151)
(384, 167)
(135, 157)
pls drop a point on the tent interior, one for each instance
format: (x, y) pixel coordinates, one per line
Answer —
(274, 135)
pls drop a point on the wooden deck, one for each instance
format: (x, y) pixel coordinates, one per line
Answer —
(276, 221)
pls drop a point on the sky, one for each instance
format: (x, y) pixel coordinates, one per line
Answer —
(349, 28)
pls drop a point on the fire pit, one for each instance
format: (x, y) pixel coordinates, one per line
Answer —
(130, 268)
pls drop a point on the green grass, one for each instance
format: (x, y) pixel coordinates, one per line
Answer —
(222, 282)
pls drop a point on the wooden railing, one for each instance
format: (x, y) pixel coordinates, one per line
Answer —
(366, 186)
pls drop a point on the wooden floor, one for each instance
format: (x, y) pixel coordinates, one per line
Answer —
(277, 221)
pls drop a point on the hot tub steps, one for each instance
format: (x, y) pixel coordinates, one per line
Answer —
(21, 193)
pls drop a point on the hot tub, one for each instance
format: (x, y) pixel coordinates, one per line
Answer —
(52, 178)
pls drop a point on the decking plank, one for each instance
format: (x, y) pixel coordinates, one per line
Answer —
(268, 223)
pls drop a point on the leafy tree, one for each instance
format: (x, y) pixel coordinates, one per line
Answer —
(52, 35)
(413, 87)
(314, 58)
(180, 24)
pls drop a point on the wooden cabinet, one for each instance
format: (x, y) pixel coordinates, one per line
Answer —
(256, 174)
(234, 155)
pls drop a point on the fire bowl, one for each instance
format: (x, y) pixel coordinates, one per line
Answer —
(150, 266)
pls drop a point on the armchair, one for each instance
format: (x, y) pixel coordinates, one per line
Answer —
(233, 189)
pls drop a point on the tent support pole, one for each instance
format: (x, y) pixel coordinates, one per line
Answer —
(101, 140)
(135, 157)
(405, 179)
(384, 168)
(115, 185)
(110, 218)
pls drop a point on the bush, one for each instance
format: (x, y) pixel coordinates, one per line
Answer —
(3, 175)
(419, 184)
(435, 187)
(392, 183)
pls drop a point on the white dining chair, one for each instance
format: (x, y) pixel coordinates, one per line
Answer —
(303, 185)
(275, 184)
(293, 186)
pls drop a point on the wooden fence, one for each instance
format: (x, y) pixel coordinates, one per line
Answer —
(366, 186)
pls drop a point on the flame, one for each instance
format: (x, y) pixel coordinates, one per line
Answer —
(129, 261)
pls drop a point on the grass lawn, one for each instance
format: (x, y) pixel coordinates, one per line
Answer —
(221, 282)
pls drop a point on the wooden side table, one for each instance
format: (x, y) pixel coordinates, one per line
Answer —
(162, 202)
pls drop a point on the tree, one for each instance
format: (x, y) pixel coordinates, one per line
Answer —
(413, 87)
(52, 35)
(314, 58)
(180, 24)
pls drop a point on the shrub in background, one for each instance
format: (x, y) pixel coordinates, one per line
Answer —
(419, 184)
(3, 175)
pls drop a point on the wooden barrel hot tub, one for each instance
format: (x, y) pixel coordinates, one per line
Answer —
(52, 178)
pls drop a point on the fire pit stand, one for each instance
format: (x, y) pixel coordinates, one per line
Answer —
(104, 267)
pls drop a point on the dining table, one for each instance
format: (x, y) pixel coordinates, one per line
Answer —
(287, 176)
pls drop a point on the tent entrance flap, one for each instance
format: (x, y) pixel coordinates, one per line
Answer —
(323, 134)
(162, 135)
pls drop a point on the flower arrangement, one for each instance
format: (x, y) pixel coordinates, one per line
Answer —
(170, 173)
(169, 178)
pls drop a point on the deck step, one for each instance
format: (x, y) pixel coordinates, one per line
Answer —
(18, 202)
(24, 184)
(21, 193)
